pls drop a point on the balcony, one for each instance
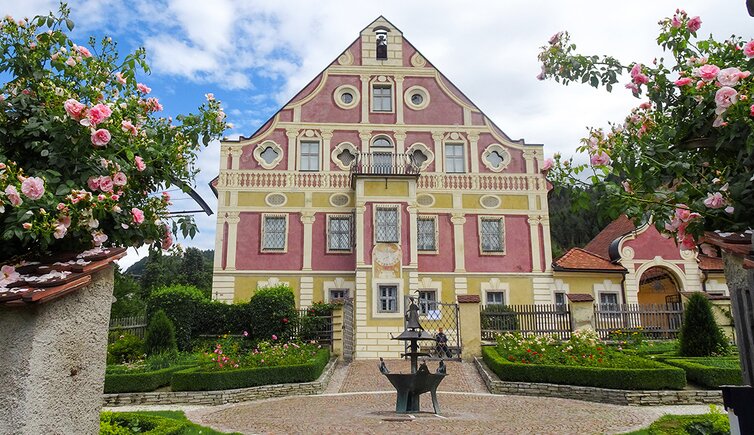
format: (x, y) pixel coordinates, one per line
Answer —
(384, 164)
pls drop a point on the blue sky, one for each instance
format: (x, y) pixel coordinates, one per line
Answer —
(254, 55)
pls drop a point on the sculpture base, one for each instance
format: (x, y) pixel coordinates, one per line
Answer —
(410, 386)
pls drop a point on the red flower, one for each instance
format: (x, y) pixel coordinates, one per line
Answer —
(285, 320)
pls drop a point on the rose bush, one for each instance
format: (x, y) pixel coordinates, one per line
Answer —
(84, 146)
(685, 154)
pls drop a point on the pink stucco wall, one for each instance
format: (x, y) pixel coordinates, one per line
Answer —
(426, 139)
(517, 164)
(308, 89)
(321, 259)
(405, 241)
(651, 243)
(517, 247)
(442, 110)
(248, 248)
(322, 107)
(444, 260)
(278, 136)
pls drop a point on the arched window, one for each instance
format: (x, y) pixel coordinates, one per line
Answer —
(382, 142)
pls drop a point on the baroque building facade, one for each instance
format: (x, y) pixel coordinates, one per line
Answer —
(380, 180)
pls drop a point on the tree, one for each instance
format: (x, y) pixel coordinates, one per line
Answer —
(128, 296)
(700, 335)
(160, 335)
(83, 145)
(193, 270)
(573, 224)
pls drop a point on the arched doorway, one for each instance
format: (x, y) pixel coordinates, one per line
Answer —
(658, 285)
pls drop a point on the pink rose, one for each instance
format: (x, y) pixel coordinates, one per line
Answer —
(140, 166)
(98, 237)
(729, 76)
(637, 76)
(93, 183)
(749, 48)
(33, 187)
(27, 225)
(683, 81)
(127, 126)
(167, 240)
(84, 51)
(165, 196)
(709, 250)
(547, 165)
(100, 137)
(119, 77)
(70, 61)
(144, 89)
(633, 87)
(119, 179)
(709, 71)
(138, 215)
(74, 109)
(274, 337)
(600, 159)
(687, 241)
(675, 22)
(60, 231)
(694, 24)
(12, 193)
(98, 114)
(554, 39)
(725, 97)
(751, 110)
(115, 197)
(65, 221)
(714, 200)
(8, 274)
(729, 209)
(106, 184)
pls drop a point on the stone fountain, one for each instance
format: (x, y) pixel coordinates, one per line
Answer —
(411, 385)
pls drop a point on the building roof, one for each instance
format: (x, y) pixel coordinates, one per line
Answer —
(36, 282)
(710, 264)
(600, 244)
(578, 259)
(580, 297)
(738, 244)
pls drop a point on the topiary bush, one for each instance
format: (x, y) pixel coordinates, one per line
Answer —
(181, 305)
(700, 335)
(273, 309)
(113, 423)
(160, 336)
(126, 348)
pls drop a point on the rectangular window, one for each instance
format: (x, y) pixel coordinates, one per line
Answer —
(382, 98)
(338, 293)
(386, 225)
(427, 234)
(609, 301)
(309, 155)
(454, 161)
(491, 234)
(339, 233)
(495, 298)
(388, 302)
(560, 301)
(427, 301)
(273, 233)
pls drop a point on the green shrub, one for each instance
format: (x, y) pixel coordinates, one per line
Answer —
(315, 324)
(110, 428)
(160, 336)
(180, 304)
(700, 335)
(638, 374)
(499, 322)
(273, 309)
(198, 379)
(138, 381)
(710, 372)
(126, 348)
(134, 422)
(218, 318)
(712, 423)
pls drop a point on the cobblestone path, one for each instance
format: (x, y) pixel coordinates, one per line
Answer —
(364, 375)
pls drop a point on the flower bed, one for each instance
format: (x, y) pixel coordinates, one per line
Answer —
(216, 378)
(710, 371)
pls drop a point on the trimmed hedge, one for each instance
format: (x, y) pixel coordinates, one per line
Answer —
(116, 423)
(659, 377)
(197, 379)
(140, 381)
(707, 375)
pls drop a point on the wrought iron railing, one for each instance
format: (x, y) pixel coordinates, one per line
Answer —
(384, 164)
(541, 319)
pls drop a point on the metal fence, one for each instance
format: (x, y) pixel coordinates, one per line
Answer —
(434, 315)
(527, 319)
(654, 321)
(136, 325)
(312, 325)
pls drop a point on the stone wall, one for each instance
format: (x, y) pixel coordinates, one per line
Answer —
(601, 395)
(221, 397)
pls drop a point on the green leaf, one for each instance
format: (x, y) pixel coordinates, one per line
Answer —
(69, 24)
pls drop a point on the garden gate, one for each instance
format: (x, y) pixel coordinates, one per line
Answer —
(434, 315)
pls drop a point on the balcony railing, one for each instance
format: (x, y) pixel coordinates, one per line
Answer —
(384, 164)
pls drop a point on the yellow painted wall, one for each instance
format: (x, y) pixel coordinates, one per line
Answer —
(394, 188)
(584, 283)
(648, 294)
(443, 200)
(521, 289)
(256, 199)
(245, 287)
(322, 200)
(471, 201)
(515, 202)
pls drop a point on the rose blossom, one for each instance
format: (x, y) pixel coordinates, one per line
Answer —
(138, 215)
(140, 166)
(98, 114)
(84, 51)
(60, 231)
(725, 97)
(144, 89)
(729, 76)
(749, 48)
(8, 275)
(167, 240)
(119, 77)
(74, 109)
(729, 209)
(98, 237)
(33, 187)
(708, 72)
(709, 250)
(554, 39)
(12, 193)
(100, 137)
(694, 24)
(714, 200)
(683, 81)
(119, 179)
(93, 183)
(70, 61)
(547, 165)
(637, 76)
(600, 159)
(106, 184)
(127, 126)
(27, 225)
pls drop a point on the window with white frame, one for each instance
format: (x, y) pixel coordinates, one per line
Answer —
(560, 301)
(339, 233)
(382, 98)
(338, 293)
(386, 225)
(426, 239)
(274, 233)
(388, 299)
(454, 161)
(495, 298)
(609, 301)
(491, 235)
(427, 301)
(309, 155)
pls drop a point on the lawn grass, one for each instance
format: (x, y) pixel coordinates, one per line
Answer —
(192, 429)
(713, 423)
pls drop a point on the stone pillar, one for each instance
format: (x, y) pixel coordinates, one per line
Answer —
(325, 155)
(365, 136)
(307, 218)
(471, 326)
(536, 255)
(439, 152)
(741, 286)
(474, 151)
(400, 141)
(232, 219)
(53, 361)
(292, 135)
(399, 99)
(365, 98)
(235, 153)
(582, 311)
(337, 330)
(458, 221)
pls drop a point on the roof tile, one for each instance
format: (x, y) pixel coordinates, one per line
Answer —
(580, 259)
(600, 244)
